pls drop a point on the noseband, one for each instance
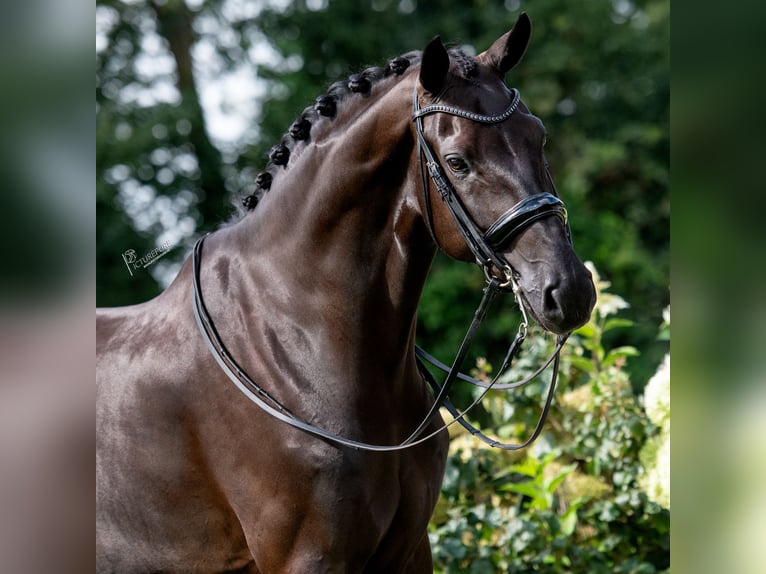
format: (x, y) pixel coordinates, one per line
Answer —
(485, 246)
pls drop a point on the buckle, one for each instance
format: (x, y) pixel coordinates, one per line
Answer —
(506, 282)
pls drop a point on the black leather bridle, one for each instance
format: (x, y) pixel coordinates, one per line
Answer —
(484, 246)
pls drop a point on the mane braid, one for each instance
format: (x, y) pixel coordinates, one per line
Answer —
(468, 65)
(324, 107)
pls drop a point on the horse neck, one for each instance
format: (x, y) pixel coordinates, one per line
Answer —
(339, 234)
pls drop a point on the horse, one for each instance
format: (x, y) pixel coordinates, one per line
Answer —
(311, 295)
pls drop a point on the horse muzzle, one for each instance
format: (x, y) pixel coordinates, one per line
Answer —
(560, 298)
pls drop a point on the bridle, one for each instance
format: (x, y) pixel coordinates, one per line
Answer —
(509, 225)
(484, 246)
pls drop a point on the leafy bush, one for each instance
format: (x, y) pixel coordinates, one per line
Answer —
(573, 502)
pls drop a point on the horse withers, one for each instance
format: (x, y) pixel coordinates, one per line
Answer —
(312, 295)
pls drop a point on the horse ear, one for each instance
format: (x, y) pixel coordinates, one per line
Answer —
(434, 66)
(508, 50)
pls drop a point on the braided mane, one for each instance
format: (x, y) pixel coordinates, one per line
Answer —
(325, 108)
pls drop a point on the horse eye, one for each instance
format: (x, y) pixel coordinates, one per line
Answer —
(457, 164)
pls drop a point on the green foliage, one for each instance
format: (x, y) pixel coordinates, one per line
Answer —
(578, 506)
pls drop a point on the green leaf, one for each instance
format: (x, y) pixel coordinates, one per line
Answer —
(619, 352)
(560, 477)
(569, 518)
(588, 331)
(568, 521)
(617, 322)
(528, 467)
(523, 488)
(583, 364)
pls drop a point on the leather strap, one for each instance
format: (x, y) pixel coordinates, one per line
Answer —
(509, 225)
(460, 416)
(274, 408)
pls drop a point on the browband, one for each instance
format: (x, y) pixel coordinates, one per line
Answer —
(473, 116)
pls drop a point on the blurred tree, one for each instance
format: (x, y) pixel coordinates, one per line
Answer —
(160, 179)
(596, 74)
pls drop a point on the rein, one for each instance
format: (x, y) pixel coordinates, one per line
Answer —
(484, 246)
(273, 407)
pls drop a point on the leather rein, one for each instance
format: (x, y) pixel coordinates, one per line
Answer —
(485, 247)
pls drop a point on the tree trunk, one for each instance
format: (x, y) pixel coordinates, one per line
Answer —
(174, 23)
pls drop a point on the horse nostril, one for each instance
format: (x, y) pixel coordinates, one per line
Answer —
(551, 305)
(565, 307)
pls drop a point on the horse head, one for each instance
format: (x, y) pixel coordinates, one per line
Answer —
(485, 155)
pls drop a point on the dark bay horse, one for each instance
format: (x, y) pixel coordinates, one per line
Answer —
(314, 291)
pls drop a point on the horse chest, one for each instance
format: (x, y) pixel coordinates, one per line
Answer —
(371, 509)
